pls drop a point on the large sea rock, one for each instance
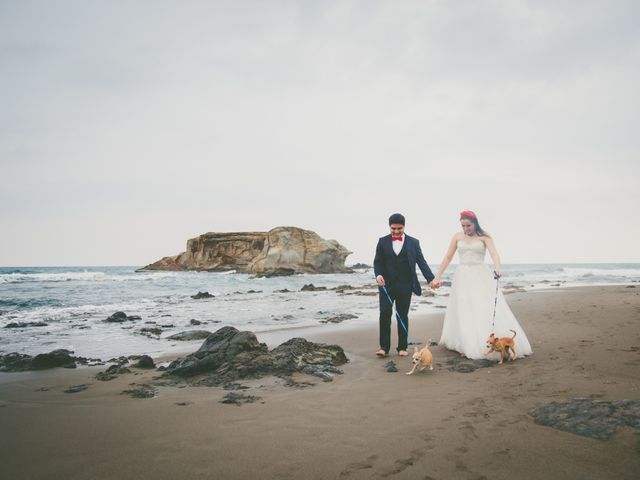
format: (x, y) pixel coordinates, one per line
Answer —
(281, 251)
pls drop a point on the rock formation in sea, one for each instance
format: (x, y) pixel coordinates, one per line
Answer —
(280, 251)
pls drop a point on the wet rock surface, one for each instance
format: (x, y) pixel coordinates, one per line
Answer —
(467, 365)
(77, 388)
(200, 295)
(339, 318)
(25, 324)
(590, 418)
(141, 391)
(239, 398)
(112, 372)
(229, 354)
(190, 335)
(19, 362)
(391, 367)
(121, 317)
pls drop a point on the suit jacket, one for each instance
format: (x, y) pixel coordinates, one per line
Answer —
(384, 263)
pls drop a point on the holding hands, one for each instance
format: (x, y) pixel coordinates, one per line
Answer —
(435, 283)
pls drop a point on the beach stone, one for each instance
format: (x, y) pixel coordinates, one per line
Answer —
(120, 317)
(361, 266)
(15, 362)
(239, 398)
(150, 331)
(193, 321)
(467, 365)
(141, 391)
(145, 361)
(112, 372)
(229, 354)
(25, 324)
(589, 418)
(339, 318)
(284, 290)
(76, 388)
(312, 288)
(190, 335)
(53, 359)
(391, 367)
(276, 272)
(200, 295)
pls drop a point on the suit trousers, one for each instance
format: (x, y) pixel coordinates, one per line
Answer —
(401, 296)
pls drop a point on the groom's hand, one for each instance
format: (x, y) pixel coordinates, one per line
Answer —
(380, 280)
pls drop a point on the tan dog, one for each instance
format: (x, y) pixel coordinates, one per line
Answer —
(504, 345)
(422, 358)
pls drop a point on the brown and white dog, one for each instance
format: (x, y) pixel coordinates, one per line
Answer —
(422, 358)
(504, 345)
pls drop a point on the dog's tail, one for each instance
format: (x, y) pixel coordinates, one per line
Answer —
(428, 342)
(514, 333)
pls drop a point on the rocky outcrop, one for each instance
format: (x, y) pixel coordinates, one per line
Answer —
(281, 251)
(229, 354)
(590, 418)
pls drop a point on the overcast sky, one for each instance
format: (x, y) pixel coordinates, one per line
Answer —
(127, 127)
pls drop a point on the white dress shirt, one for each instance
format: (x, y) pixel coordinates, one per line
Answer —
(397, 245)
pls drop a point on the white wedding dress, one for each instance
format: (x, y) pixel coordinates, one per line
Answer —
(468, 319)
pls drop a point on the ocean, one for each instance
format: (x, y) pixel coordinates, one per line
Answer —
(73, 302)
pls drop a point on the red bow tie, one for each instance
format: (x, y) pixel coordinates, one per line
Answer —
(396, 238)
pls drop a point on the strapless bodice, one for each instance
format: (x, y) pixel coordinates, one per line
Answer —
(471, 252)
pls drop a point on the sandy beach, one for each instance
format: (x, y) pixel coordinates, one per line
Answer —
(367, 423)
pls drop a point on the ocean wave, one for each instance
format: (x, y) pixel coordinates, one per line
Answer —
(85, 276)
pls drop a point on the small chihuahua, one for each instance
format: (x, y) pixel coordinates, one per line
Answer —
(504, 345)
(422, 358)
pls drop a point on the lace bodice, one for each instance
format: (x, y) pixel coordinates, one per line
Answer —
(471, 252)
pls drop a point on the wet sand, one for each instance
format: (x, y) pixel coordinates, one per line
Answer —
(367, 423)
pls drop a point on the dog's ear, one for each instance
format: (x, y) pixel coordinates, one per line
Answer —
(415, 350)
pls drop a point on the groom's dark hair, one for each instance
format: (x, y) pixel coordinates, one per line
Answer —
(396, 218)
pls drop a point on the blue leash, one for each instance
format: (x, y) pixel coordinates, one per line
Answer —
(397, 315)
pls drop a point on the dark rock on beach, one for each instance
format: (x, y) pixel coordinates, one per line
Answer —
(120, 317)
(277, 272)
(229, 354)
(590, 418)
(77, 388)
(361, 266)
(339, 318)
(467, 365)
(193, 321)
(391, 367)
(200, 295)
(26, 324)
(18, 362)
(311, 288)
(112, 372)
(150, 331)
(190, 335)
(141, 391)
(238, 398)
(145, 361)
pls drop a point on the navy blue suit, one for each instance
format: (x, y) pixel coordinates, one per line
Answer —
(399, 273)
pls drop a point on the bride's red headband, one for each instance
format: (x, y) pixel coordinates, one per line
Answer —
(468, 213)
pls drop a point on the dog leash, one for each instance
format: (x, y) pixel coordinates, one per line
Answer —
(384, 288)
(495, 303)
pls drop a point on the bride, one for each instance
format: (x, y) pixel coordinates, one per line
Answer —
(468, 321)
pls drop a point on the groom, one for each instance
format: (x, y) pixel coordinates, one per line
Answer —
(395, 267)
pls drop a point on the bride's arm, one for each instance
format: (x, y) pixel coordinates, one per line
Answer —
(453, 246)
(488, 241)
